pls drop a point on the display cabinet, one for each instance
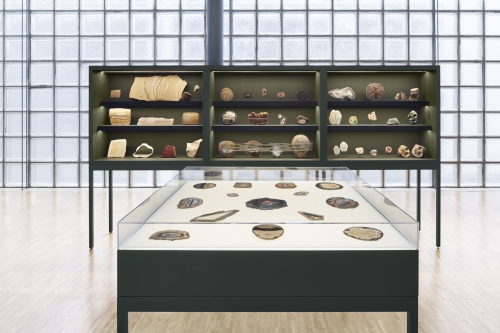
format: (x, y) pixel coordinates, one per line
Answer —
(271, 239)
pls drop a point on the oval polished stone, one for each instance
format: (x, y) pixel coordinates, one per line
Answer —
(268, 231)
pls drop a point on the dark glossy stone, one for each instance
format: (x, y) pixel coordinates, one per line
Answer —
(204, 185)
(268, 231)
(189, 203)
(266, 204)
(329, 186)
(342, 203)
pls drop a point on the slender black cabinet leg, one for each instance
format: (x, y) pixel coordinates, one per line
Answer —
(91, 208)
(110, 193)
(438, 207)
(412, 317)
(418, 199)
(121, 317)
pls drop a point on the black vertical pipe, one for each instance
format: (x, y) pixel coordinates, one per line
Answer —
(110, 194)
(215, 32)
(418, 198)
(91, 208)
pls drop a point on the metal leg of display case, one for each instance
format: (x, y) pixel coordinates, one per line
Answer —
(91, 208)
(110, 199)
(418, 199)
(438, 208)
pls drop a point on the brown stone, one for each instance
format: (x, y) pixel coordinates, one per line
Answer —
(168, 151)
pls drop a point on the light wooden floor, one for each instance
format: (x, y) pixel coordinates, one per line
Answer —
(51, 282)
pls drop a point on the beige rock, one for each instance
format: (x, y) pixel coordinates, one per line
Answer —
(190, 118)
(373, 152)
(400, 96)
(414, 94)
(117, 148)
(115, 93)
(226, 94)
(418, 151)
(388, 150)
(375, 91)
(353, 120)
(301, 145)
(193, 147)
(335, 117)
(372, 116)
(120, 116)
(152, 121)
(403, 151)
(343, 146)
(360, 150)
(158, 88)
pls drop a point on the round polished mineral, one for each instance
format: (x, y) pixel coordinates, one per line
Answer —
(268, 231)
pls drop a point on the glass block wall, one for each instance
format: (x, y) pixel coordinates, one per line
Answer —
(47, 46)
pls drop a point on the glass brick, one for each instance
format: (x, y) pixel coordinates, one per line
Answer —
(492, 45)
(117, 23)
(493, 150)
(142, 24)
(491, 4)
(269, 23)
(41, 99)
(471, 175)
(344, 4)
(471, 74)
(15, 23)
(294, 48)
(294, 4)
(164, 176)
(91, 23)
(396, 49)
(269, 4)
(167, 48)
(269, 48)
(84, 72)
(41, 124)
(92, 48)
(91, 4)
(225, 50)
(370, 4)
(15, 148)
(84, 99)
(294, 23)
(42, 23)
(42, 150)
(345, 23)
(141, 178)
(67, 73)
(492, 174)
(42, 174)
(167, 23)
(67, 99)
(492, 124)
(370, 48)
(471, 149)
(447, 48)
(492, 28)
(449, 74)
(372, 177)
(449, 99)
(15, 175)
(471, 124)
(370, 24)
(320, 48)
(120, 179)
(15, 124)
(447, 4)
(66, 48)
(319, 4)
(471, 99)
(117, 4)
(449, 124)
(395, 24)
(66, 174)
(395, 4)
(42, 4)
(193, 48)
(67, 4)
(471, 48)
(449, 175)
(13, 99)
(243, 5)
(426, 178)
(84, 176)
(471, 23)
(420, 48)
(67, 23)
(320, 23)
(492, 71)
(66, 150)
(143, 4)
(449, 150)
(420, 23)
(167, 4)
(244, 23)
(471, 4)
(193, 4)
(67, 124)
(117, 48)
(41, 48)
(15, 48)
(345, 48)
(226, 24)
(15, 74)
(447, 24)
(243, 48)
(84, 150)
(395, 178)
(84, 124)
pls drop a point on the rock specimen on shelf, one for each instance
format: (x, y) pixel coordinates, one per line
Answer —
(168, 151)
(373, 152)
(311, 216)
(342, 203)
(282, 119)
(364, 233)
(266, 204)
(196, 88)
(403, 151)
(372, 116)
(248, 95)
(268, 231)
(336, 150)
(170, 235)
(418, 151)
(412, 117)
(329, 186)
(242, 185)
(302, 95)
(353, 120)
(193, 147)
(213, 173)
(285, 185)
(233, 195)
(375, 91)
(400, 96)
(343, 146)
(204, 185)
(301, 120)
(229, 117)
(190, 202)
(393, 121)
(190, 118)
(264, 92)
(117, 148)
(226, 94)
(344, 94)
(281, 95)
(253, 148)
(215, 216)
(335, 117)
(277, 151)
(301, 193)
(153, 121)
(414, 94)
(388, 150)
(261, 118)
(120, 117)
(359, 150)
(144, 150)
(186, 96)
(116, 93)
(301, 145)
(158, 88)
(227, 148)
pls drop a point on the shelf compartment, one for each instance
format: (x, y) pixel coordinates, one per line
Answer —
(369, 127)
(272, 104)
(155, 104)
(387, 104)
(131, 159)
(136, 128)
(264, 128)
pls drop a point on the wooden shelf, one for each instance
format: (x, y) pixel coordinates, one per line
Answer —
(375, 127)
(264, 128)
(387, 104)
(135, 128)
(155, 104)
(271, 104)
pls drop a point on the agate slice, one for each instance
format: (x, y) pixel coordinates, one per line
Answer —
(120, 117)
(364, 233)
(393, 121)
(301, 193)
(268, 231)
(281, 95)
(335, 117)
(404, 151)
(311, 216)
(353, 120)
(227, 148)
(412, 117)
(168, 151)
(189, 203)
(117, 148)
(204, 185)
(329, 186)
(170, 235)
(254, 148)
(229, 117)
(414, 94)
(215, 216)
(144, 150)
(301, 120)
(302, 95)
(233, 195)
(153, 121)
(344, 94)
(301, 145)
(226, 94)
(418, 151)
(213, 173)
(285, 185)
(400, 96)
(242, 185)
(190, 118)
(115, 93)
(375, 91)
(266, 204)
(193, 147)
(342, 203)
(261, 118)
